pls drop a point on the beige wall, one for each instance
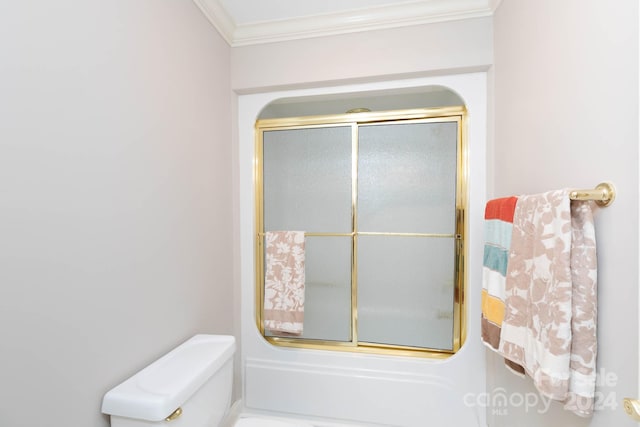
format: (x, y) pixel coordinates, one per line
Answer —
(115, 197)
(566, 115)
(419, 50)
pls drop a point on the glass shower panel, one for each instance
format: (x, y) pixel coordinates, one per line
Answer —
(407, 177)
(307, 179)
(327, 305)
(406, 291)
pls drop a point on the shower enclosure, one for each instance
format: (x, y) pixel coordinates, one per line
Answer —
(381, 198)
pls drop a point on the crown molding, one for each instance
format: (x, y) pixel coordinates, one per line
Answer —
(374, 18)
(218, 16)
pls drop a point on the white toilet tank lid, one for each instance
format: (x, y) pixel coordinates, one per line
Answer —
(159, 389)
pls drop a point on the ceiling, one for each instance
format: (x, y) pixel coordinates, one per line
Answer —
(246, 22)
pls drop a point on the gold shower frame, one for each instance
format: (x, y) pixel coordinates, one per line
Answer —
(424, 115)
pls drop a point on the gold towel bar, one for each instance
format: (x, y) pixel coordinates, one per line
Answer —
(603, 194)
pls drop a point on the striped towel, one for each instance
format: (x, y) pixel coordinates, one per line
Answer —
(498, 227)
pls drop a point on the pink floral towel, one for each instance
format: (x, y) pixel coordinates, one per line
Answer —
(284, 282)
(549, 326)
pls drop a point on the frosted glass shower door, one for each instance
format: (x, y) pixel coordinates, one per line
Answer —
(307, 186)
(307, 179)
(381, 199)
(407, 234)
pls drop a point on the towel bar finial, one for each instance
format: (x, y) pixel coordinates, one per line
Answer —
(603, 194)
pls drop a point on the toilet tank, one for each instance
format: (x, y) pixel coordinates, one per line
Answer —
(191, 384)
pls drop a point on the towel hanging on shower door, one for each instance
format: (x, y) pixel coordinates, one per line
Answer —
(284, 282)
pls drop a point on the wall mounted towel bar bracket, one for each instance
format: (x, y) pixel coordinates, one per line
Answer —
(603, 194)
